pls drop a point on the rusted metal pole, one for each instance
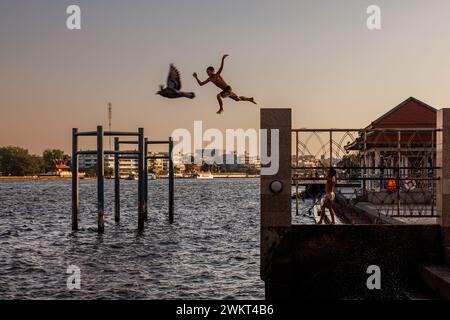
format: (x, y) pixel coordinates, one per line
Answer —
(365, 165)
(145, 180)
(116, 181)
(399, 155)
(100, 180)
(141, 180)
(171, 182)
(331, 148)
(75, 209)
(433, 154)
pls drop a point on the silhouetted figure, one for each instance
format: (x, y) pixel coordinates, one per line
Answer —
(172, 91)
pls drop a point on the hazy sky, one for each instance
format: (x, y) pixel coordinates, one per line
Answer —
(317, 57)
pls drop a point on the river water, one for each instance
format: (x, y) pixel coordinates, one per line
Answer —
(210, 252)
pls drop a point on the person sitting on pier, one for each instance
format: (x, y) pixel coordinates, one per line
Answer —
(216, 78)
(330, 176)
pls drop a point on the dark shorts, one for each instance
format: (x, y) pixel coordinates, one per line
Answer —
(226, 92)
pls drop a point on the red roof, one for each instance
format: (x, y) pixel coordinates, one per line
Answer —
(411, 113)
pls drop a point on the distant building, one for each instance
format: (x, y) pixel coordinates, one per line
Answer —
(126, 166)
(60, 168)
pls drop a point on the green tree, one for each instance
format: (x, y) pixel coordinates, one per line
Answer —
(50, 155)
(16, 161)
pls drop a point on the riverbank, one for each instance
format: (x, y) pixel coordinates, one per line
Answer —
(27, 178)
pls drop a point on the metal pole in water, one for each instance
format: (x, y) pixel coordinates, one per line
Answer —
(75, 209)
(141, 180)
(145, 180)
(171, 182)
(100, 180)
(116, 181)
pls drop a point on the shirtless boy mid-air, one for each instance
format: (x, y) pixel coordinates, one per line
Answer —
(216, 78)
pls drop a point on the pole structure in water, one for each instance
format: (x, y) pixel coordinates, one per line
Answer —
(171, 182)
(116, 181)
(141, 217)
(75, 209)
(100, 180)
(145, 179)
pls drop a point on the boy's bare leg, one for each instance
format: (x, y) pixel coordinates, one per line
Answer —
(321, 213)
(241, 98)
(330, 207)
(252, 100)
(219, 99)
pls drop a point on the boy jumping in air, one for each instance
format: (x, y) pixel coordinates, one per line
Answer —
(216, 78)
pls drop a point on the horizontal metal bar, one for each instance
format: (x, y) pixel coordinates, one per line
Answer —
(93, 152)
(122, 152)
(413, 216)
(369, 130)
(368, 178)
(158, 142)
(87, 133)
(157, 157)
(368, 168)
(128, 142)
(87, 152)
(120, 133)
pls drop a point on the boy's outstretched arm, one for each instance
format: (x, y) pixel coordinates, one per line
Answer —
(221, 64)
(201, 83)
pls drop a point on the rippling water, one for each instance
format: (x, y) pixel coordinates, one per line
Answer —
(211, 251)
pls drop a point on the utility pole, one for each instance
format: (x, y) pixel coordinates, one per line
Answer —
(109, 122)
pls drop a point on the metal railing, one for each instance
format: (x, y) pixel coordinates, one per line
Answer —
(393, 169)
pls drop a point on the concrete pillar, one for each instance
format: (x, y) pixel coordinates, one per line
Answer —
(275, 206)
(443, 161)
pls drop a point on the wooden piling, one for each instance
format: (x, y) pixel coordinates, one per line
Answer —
(141, 180)
(100, 180)
(145, 179)
(75, 209)
(116, 181)
(171, 182)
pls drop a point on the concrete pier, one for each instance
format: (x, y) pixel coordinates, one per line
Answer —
(443, 162)
(275, 206)
(332, 261)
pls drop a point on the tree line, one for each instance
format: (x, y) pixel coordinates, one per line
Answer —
(17, 161)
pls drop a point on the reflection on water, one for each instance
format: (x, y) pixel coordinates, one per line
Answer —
(212, 250)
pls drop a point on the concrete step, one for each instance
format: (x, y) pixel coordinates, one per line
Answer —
(437, 278)
(419, 292)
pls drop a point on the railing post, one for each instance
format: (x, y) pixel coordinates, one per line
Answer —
(116, 181)
(171, 182)
(443, 163)
(100, 180)
(275, 186)
(145, 179)
(75, 209)
(399, 165)
(141, 180)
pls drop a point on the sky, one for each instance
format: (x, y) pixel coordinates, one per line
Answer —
(316, 57)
